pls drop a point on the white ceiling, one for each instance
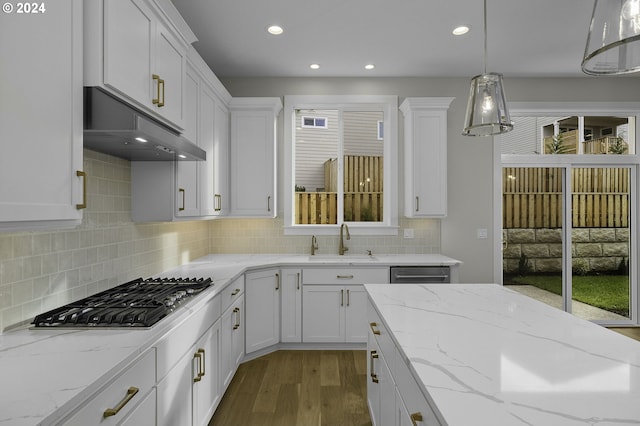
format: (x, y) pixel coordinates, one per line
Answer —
(403, 38)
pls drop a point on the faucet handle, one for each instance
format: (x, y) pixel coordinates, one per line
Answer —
(369, 253)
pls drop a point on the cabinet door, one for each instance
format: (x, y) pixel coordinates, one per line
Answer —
(175, 394)
(129, 31)
(187, 189)
(41, 117)
(232, 342)
(323, 316)
(355, 314)
(262, 300)
(381, 388)
(221, 160)
(291, 319)
(206, 386)
(252, 156)
(206, 141)
(191, 107)
(170, 63)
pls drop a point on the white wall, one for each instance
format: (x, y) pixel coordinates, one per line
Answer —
(470, 160)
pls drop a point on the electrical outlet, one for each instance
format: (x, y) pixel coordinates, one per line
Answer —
(482, 233)
(408, 233)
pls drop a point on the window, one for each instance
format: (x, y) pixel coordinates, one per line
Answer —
(336, 168)
(313, 122)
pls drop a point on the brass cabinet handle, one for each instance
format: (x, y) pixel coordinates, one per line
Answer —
(237, 324)
(83, 175)
(277, 281)
(217, 205)
(269, 203)
(348, 298)
(417, 203)
(344, 277)
(373, 355)
(183, 192)
(415, 418)
(204, 358)
(341, 297)
(198, 356)
(131, 392)
(160, 103)
(373, 329)
(236, 291)
(156, 78)
(298, 281)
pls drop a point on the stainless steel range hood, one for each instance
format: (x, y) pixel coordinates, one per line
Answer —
(115, 128)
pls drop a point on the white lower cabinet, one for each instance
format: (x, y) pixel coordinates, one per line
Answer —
(291, 302)
(394, 397)
(262, 301)
(231, 331)
(335, 303)
(127, 397)
(381, 388)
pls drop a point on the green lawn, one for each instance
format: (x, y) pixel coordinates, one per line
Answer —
(610, 292)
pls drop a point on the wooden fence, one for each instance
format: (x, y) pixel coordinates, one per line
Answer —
(532, 197)
(363, 183)
(322, 207)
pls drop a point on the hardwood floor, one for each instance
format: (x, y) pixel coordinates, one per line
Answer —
(633, 332)
(291, 388)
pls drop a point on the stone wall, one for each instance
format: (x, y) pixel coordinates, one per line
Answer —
(593, 249)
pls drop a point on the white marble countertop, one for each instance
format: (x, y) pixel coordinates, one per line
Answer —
(47, 372)
(485, 355)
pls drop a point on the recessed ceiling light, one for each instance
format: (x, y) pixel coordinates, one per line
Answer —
(369, 66)
(275, 30)
(314, 66)
(182, 156)
(139, 139)
(463, 29)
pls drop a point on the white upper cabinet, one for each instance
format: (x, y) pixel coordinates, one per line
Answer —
(187, 190)
(425, 156)
(41, 118)
(134, 52)
(253, 156)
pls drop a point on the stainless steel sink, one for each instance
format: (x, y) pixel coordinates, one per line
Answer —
(334, 258)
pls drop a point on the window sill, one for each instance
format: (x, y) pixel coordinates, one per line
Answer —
(354, 229)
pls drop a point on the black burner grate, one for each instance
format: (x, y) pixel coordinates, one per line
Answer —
(138, 303)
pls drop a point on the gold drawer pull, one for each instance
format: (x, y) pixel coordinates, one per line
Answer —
(344, 277)
(181, 190)
(237, 324)
(236, 291)
(83, 175)
(373, 355)
(198, 355)
(156, 77)
(131, 392)
(415, 418)
(373, 329)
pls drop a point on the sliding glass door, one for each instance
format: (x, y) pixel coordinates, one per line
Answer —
(566, 238)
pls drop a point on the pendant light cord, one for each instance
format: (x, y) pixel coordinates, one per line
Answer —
(485, 36)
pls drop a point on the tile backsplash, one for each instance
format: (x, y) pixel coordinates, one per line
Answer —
(43, 270)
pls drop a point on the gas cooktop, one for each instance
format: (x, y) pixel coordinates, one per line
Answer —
(138, 303)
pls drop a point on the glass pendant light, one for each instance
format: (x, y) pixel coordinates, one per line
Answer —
(613, 43)
(487, 112)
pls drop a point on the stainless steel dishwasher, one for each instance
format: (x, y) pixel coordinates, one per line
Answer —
(420, 274)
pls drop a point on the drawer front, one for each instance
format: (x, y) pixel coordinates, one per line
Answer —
(413, 398)
(176, 343)
(345, 275)
(382, 337)
(120, 396)
(232, 292)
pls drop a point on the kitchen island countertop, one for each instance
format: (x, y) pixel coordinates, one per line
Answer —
(485, 355)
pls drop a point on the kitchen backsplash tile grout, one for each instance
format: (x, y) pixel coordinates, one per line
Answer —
(43, 270)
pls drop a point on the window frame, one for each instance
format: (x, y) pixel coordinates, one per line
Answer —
(389, 107)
